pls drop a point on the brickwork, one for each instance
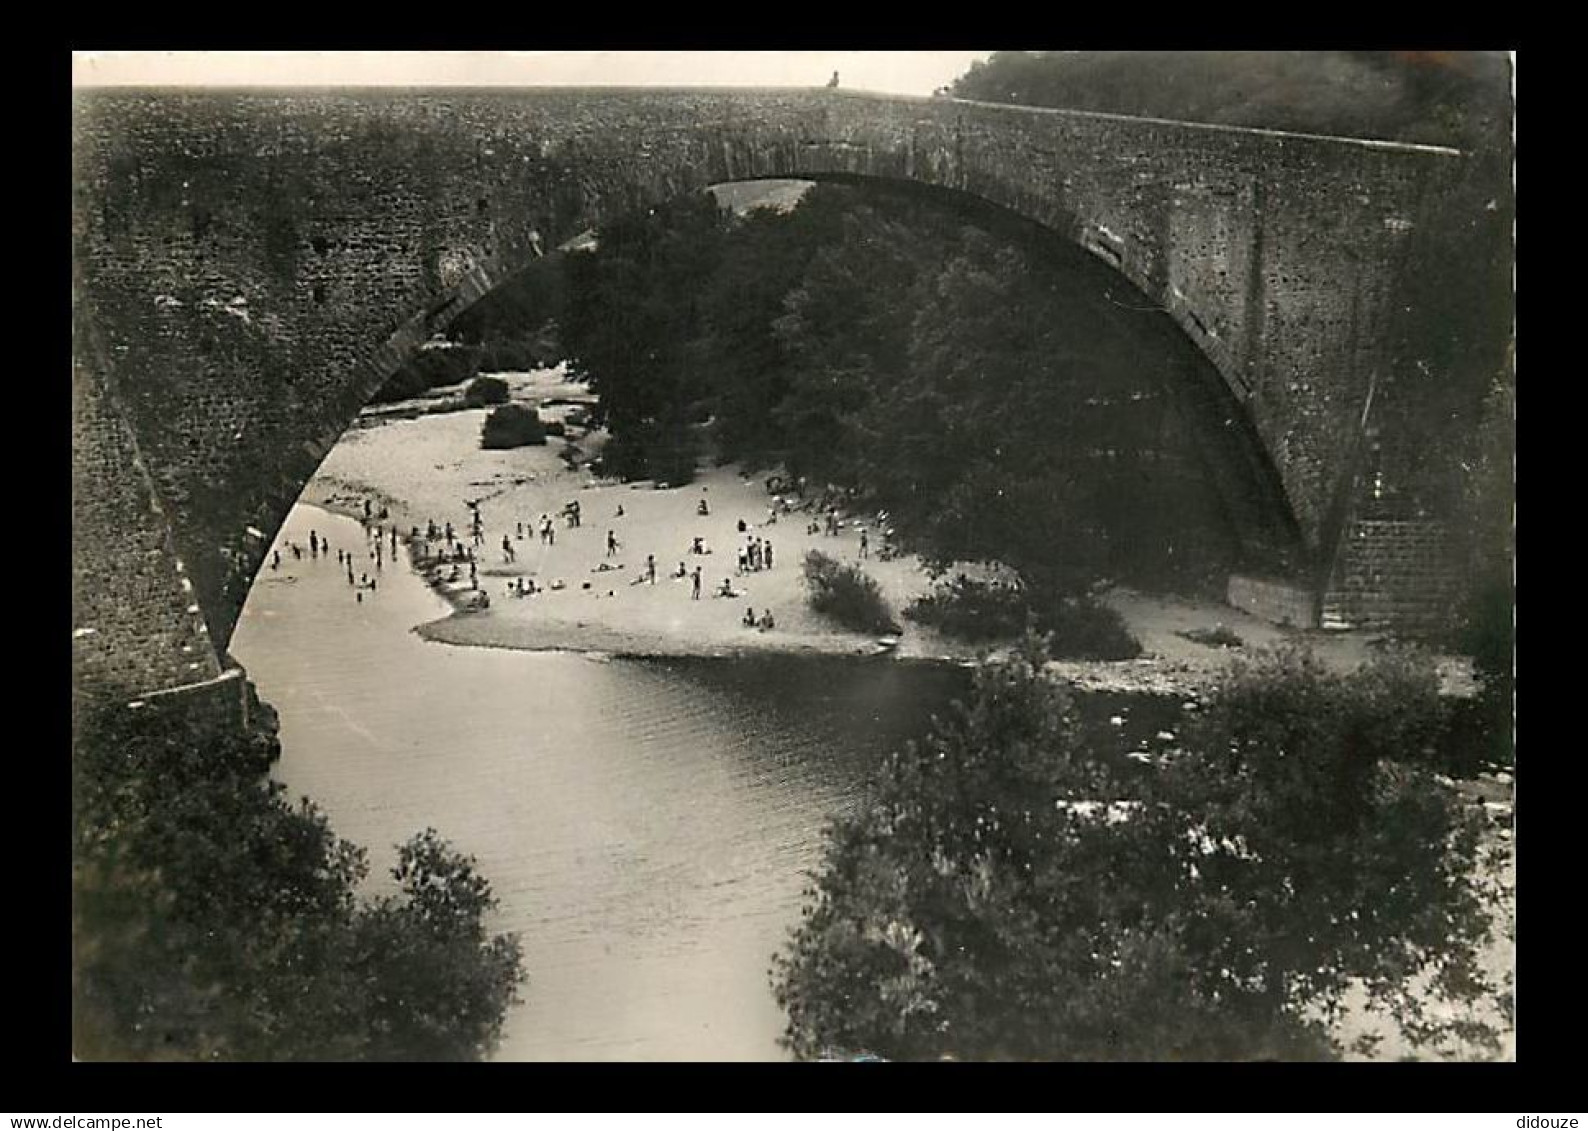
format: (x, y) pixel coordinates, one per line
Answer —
(251, 266)
(1393, 573)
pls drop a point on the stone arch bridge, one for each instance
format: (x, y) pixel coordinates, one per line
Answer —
(249, 266)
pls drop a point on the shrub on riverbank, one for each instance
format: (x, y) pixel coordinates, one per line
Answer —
(213, 920)
(1005, 895)
(512, 426)
(434, 365)
(981, 611)
(484, 391)
(848, 595)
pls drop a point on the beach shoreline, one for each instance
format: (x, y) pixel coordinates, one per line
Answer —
(427, 468)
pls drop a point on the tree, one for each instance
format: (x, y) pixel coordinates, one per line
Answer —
(1004, 895)
(212, 920)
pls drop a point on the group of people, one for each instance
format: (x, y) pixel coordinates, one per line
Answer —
(764, 622)
(319, 547)
(754, 556)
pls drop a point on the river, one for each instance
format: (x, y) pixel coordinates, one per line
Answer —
(645, 824)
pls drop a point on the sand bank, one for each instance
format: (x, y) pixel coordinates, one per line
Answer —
(427, 469)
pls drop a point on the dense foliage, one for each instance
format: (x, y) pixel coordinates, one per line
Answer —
(1438, 97)
(632, 328)
(847, 594)
(512, 426)
(515, 325)
(1005, 896)
(434, 365)
(1079, 627)
(214, 920)
(484, 391)
(995, 404)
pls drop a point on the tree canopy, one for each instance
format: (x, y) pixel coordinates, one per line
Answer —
(214, 920)
(1003, 895)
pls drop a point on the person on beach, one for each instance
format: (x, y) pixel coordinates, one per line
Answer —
(744, 561)
(275, 559)
(521, 532)
(698, 546)
(350, 580)
(702, 509)
(727, 589)
(366, 510)
(864, 544)
(743, 526)
(394, 538)
(314, 543)
(474, 577)
(449, 534)
(682, 572)
(769, 555)
(650, 568)
(359, 597)
(749, 617)
(766, 621)
(297, 554)
(507, 549)
(612, 543)
(694, 594)
(372, 585)
(620, 510)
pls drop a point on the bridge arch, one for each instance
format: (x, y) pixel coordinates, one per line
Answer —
(240, 257)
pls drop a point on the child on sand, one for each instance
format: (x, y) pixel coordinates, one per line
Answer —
(749, 617)
(612, 542)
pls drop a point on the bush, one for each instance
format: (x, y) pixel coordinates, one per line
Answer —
(512, 426)
(214, 920)
(432, 366)
(1002, 894)
(484, 391)
(847, 595)
(977, 611)
(1087, 629)
(970, 610)
(402, 385)
(446, 363)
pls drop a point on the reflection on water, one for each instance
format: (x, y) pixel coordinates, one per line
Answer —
(645, 824)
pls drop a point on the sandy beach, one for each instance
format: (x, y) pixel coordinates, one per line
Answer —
(425, 468)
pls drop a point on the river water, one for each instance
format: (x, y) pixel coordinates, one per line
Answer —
(645, 824)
